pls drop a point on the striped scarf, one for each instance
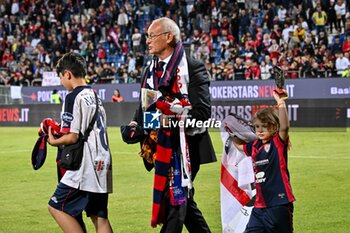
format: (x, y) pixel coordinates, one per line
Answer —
(172, 164)
(39, 151)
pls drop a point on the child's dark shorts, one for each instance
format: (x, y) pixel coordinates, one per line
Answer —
(73, 201)
(276, 219)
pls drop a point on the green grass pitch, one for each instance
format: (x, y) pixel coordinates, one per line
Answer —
(319, 165)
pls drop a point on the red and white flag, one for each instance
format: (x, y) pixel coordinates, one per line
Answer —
(236, 186)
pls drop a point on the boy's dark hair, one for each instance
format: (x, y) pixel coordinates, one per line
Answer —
(73, 62)
(268, 116)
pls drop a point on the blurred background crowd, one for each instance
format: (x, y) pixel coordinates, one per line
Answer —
(236, 39)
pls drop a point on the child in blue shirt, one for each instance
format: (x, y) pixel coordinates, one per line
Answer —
(273, 208)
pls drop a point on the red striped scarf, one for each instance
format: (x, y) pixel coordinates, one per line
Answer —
(166, 157)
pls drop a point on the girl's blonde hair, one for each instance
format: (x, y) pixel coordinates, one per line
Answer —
(268, 116)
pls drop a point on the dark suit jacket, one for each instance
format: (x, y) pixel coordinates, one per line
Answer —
(200, 146)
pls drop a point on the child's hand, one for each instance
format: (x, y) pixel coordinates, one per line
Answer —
(51, 138)
(280, 99)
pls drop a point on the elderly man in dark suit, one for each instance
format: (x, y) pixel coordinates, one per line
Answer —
(182, 83)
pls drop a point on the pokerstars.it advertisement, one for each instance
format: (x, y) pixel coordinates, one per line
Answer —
(14, 114)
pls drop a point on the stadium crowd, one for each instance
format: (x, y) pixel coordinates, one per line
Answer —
(236, 39)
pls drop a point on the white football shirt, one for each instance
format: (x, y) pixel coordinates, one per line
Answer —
(95, 173)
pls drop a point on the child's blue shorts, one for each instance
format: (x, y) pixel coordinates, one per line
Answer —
(73, 201)
(276, 219)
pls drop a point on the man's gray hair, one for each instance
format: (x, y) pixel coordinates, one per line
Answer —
(170, 26)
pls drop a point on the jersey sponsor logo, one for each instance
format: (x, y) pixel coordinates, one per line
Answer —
(260, 177)
(67, 117)
(262, 162)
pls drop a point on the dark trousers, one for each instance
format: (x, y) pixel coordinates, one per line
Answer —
(188, 215)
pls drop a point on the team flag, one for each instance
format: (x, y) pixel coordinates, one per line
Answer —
(237, 180)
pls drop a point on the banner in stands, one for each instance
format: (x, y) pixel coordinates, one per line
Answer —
(302, 113)
(50, 79)
(330, 88)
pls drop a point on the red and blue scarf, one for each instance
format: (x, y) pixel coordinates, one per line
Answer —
(168, 161)
(40, 148)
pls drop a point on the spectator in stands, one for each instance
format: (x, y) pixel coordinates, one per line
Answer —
(341, 63)
(299, 34)
(136, 40)
(336, 46)
(292, 70)
(346, 44)
(219, 73)
(282, 14)
(328, 66)
(274, 49)
(6, 58)
(346, 73)
(319, 17)
(131, 61)
(3, 77)
(40, 31)
(347, 23)
(205, 24)
(340, 11)
(308, 46)
(285, 31)
(106, 74)
(139, 60)
(244, 21)
(305, 68)
(203, 52)
(16, 79)
(121, 74)
(92, 75)
(229, 71)
(239, 69)
(253, 70)
(250, 42)
(332, 18)
(315, 71)
(293, 42)
(117, 97)
(265, 70)
(322, 39)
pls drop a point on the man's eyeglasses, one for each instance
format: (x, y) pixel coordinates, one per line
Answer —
(152, 37)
